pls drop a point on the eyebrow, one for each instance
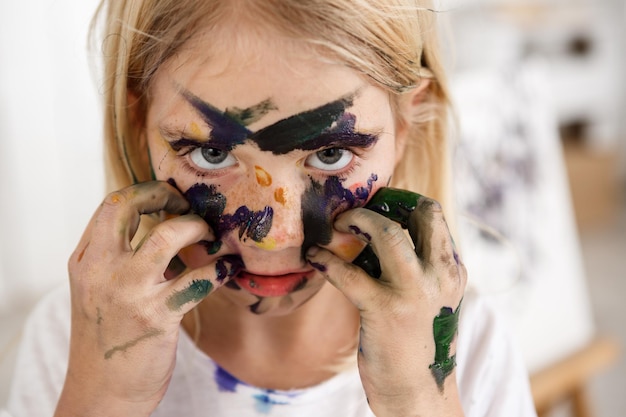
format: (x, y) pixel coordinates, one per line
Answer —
(324, 126)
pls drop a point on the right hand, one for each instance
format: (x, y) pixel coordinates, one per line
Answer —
(125, 314)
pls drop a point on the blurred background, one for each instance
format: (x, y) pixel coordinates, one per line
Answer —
(541, 96)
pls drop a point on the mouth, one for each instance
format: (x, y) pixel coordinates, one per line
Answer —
(272, 285)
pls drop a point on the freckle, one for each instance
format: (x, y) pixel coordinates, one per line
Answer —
(263, 178)
(195, 129)
(279, 196)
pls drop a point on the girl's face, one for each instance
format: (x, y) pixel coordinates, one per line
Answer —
(269, 143)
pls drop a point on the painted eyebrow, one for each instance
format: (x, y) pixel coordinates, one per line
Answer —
(308, 130)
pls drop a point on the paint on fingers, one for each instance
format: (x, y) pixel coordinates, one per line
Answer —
(445, 327)
(194, 293)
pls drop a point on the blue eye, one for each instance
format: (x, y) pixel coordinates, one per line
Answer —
(331, 159)
(212, 158)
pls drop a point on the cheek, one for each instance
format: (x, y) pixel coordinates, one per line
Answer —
(321, 203)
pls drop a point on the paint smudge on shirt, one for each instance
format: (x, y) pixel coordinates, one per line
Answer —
(265, 401)
(225, 381)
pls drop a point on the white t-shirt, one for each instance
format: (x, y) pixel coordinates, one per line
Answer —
(491, 377)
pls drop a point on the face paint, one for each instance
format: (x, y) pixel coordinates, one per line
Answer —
(262, 177)
(279, 196)
(252, 114)
(208, 203)
(322, 202)
(228, 266)
(326, 126)
(445, 327)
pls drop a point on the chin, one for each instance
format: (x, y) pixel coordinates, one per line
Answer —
(275, 304)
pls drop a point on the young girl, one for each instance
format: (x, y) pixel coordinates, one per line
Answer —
(252, 133)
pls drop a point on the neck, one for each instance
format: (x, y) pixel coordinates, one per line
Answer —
(295, 350)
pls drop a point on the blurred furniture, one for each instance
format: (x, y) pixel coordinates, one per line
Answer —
(521, 244)
(568, 379)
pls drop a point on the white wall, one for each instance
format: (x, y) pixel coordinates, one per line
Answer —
(50, 153)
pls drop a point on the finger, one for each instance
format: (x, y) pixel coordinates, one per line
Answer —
(351, 280)
(433, 243)
(157, 249)
(387, 238)
(121, 210)
(189, 289)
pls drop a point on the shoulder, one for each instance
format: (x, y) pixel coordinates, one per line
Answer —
(491, 375)
(42, 358)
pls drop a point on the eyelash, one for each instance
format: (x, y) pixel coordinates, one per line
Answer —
(183, 153)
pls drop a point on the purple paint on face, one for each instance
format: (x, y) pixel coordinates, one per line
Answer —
(322, 202)
(209, 204)
(254, 224)
(228, 266)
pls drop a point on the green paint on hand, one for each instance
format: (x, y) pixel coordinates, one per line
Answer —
(124, 348)
(194, 293)
(445, 327)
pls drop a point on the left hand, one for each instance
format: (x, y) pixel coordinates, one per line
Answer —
(409, 315)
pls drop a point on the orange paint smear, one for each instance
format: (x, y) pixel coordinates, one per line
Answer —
(195, 129)
(349, 251)
(262, 177)
(279, 196)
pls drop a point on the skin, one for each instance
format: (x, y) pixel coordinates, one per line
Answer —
(128, 304)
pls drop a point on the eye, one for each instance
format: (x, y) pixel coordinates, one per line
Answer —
(330, 159)
(212, 158)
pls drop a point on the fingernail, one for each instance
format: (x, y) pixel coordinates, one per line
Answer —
(211, 247)
(313, 250)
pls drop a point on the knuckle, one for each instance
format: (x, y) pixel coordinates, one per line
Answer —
(393, 235)
(116, 198)
(352, 274)
(428, 204)
(161, 237)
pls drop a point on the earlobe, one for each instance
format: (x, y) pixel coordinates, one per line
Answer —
(408, 112)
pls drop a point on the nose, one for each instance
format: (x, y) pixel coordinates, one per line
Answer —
(283, 201)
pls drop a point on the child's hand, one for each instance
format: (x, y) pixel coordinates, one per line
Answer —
(409, 315)
(125, 314)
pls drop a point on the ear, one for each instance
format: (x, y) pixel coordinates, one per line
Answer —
(407, 110)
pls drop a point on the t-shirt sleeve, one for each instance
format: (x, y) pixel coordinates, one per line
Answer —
(42, 358)
(491, 375)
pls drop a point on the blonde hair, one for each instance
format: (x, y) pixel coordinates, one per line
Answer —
(392, 42)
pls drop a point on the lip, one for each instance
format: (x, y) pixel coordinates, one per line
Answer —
(272, 285)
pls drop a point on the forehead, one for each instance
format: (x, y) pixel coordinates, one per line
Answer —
(293, 76)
